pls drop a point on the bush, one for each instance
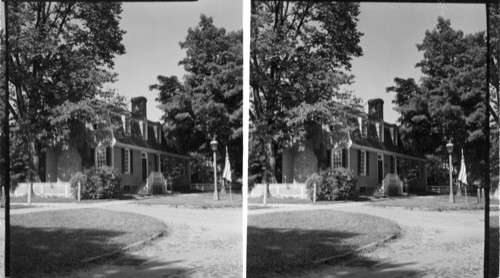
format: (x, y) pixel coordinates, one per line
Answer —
(337, 184)
(97, 183)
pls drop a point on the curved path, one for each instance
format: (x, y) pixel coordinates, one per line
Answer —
(433, 244)
(199, 243)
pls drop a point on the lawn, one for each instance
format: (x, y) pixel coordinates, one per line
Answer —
(274, 200)
(195, 200)
(435, 203)
(285, 242)
(55, 242)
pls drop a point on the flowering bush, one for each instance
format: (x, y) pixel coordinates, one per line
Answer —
(97, 183)
(336, 184)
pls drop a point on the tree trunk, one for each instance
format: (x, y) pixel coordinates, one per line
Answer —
(34, 165)
(270, 174)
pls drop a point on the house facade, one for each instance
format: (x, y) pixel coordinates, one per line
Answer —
(374, 151)
(136, 150)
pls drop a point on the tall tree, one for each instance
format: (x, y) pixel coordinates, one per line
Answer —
(448, 104)
(60, 58)
(300, 56)
(209, 100)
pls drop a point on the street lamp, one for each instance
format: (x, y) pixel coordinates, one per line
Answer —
(214, 144)
(449, 147)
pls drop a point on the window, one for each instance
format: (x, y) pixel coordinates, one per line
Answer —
(126, 161)
(362, 163)
(155, 128)
(127, 128)
(337, 158)
(380, 131)
(101, 156)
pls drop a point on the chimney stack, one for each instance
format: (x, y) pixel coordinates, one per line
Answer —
(139, 107)
(376, 109)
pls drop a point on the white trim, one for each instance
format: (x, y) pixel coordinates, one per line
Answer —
(123, 145)
(359, 147)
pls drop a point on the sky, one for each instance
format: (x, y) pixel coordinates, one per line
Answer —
(154, 31)
(391, 33)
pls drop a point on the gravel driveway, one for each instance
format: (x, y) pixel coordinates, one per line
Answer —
(433, 244)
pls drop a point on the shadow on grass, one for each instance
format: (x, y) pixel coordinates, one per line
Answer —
(37, 251)
(284, 252)
(271, 250)
(494, 244)
(48, 252)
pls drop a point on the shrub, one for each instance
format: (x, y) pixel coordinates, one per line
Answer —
(97, 183)
(337, 184)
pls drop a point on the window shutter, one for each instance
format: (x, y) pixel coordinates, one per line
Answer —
(92, 157)
(359, 162)
(123, 160)
(344, 158)
(329, 159)
(392, 164)
(367, 160)
(131, 161)
(108, 156)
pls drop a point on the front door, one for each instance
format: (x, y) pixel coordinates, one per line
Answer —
(380, 169)
(144, 167)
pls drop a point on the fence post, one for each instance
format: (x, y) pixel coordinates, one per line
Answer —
(30, 187)
(265, 194)
(483, 197)
(314, 193)
(79, 191)
(66, 190)
(478, 195)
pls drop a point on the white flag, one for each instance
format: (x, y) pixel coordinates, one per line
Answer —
(462, 176)
(226, 174)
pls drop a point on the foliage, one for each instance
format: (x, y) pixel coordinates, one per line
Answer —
(299, 59)
(437, 174)
(97, 183)
(409, 171)
(60, 57)
(209, 100)
(174, 169)
(448, 102)
(336, 184)
(201, 171)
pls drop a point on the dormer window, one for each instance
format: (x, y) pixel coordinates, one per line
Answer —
(155, 128)
(126, 125)
(145, 130)
(141, 127)
(362, 127)
(380, 131)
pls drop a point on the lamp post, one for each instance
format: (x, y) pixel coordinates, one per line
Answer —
(213, 144)
(449, 147)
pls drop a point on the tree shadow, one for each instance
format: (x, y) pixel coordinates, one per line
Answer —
(272, 252)
(49, 252)
(494, 244)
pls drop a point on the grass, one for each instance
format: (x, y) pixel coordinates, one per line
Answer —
(434, 203)
(285, 242)
(56, 242)
(195, 200)
(40, 199)
(274, 200)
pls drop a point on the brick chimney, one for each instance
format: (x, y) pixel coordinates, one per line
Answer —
(139, 107)
(376, 109)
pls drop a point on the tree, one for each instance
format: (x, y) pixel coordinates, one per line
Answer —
(448, 104)
(299, 59)
(209, 100)
(59, 60)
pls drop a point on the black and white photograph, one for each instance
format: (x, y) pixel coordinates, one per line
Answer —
(373, 140)
(124, 139)
(249, 138)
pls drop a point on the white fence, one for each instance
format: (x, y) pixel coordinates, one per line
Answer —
(281, 190)
(57, 189)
